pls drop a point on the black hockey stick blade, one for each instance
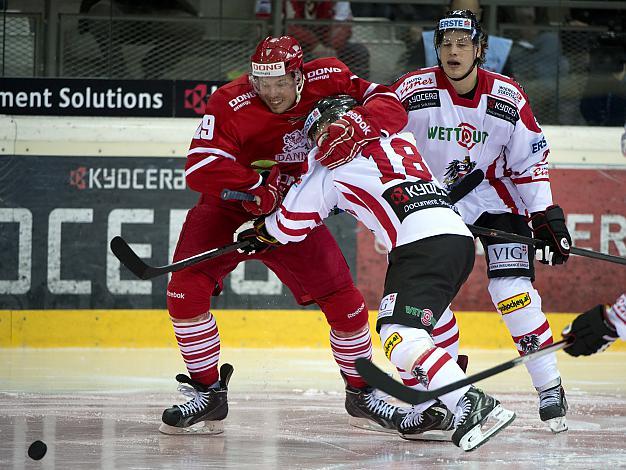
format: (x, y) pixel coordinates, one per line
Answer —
(379, 379)
(139, 268)
(466, 186)
(229, 195)
(513, 237)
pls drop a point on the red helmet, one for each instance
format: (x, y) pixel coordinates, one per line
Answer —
(274, 57)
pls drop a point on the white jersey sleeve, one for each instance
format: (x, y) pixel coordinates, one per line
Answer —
(617, 316)
(307, 203)
(527, 154)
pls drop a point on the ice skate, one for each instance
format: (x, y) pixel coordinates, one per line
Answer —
(553, 408)
(204, 412)
(477, 418)
(369, 411)
(435, 423)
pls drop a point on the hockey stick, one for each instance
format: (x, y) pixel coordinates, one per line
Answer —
(513, 237)
(142, 270)
(379, 379)
(457, 193)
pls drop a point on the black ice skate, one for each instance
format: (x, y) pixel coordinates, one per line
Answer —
(204, 412)
(436, 423)
(477, 418)
(369, 411)
(553, 408)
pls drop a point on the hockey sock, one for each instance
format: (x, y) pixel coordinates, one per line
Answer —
(199, 344)
(346, 350)
(446, 333)
(520, 306)
(412, 349)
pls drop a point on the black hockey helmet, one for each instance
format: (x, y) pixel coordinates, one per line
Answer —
(326, 111)
(463, 20)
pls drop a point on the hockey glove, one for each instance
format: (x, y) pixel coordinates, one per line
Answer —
(346, 137)
(268, 196)
(591, 331)
(549, 226)
(260, 240)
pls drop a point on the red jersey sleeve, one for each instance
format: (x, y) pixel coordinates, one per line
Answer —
(212, 158)
(382, 104)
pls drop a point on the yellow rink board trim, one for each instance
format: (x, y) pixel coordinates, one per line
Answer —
(237, 328)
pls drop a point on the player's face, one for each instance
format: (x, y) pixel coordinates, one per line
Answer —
(278, 93)
(457, 53)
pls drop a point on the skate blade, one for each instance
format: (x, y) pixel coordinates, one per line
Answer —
(203, 427)
(496, 421)
(434, 435)
(368, 425)
(558, 424)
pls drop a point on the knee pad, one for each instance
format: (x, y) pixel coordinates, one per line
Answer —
(512, 294)
(345, 309)
(189, 294)
(403, 345)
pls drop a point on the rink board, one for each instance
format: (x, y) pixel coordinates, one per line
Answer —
(237, 328)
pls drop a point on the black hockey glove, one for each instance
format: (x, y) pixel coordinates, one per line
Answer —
(591, 331)
(549, 226)
(260, 240)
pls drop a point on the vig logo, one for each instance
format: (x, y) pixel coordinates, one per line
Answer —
(195, 98)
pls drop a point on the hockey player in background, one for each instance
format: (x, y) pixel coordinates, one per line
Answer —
(390, 189)
(464, 118)
(597, 328)
(255, 118)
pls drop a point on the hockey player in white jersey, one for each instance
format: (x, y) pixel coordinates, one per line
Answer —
(391, 190)
(465, 118)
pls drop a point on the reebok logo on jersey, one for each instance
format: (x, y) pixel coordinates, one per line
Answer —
(358, 119)
(357, 311)
(391, 343)
(175, 295)
(514, 303)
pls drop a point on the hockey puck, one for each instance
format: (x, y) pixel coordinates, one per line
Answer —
(37, 450)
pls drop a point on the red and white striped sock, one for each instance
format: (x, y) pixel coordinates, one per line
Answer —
(347, 350)
(436, 368)
(446, 333)
(199, 344)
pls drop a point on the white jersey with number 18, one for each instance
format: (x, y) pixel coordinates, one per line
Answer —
(388, 187)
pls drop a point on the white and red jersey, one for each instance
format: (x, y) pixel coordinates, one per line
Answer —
(495, 131)
(238, 128)
(387, 186)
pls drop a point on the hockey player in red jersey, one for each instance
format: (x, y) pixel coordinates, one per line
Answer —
(464, 118)
(390, 189)
(256, 118)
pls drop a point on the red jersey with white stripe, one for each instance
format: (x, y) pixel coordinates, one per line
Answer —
(495, 131)
(239, 129)
(387, 186)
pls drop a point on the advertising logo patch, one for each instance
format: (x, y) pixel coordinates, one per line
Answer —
(415, 82)
(409, 197)
(514, 303)
(387, 304)
(425, 315)
(196, 98)
(423, 99)
(502, 110)
(508, 256)
(391, 343)
(465, 134)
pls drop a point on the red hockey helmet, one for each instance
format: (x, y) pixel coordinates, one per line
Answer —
(274, 57)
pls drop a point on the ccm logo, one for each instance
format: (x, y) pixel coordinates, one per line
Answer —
(358, 119)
